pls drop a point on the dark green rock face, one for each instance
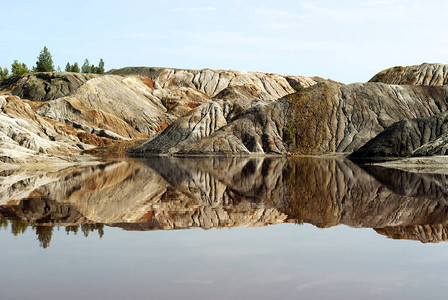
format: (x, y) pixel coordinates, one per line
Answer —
(45, 86)
(411, 137)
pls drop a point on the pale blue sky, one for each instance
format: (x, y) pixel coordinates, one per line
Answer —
(346, 40)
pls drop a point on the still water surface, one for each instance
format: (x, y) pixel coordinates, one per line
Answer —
(307, 228)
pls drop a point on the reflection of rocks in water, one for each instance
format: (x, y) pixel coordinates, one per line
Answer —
(175, 193)
(223, 181)
(425, 233)
(18, 184)
(218, 192)
(39, 209)
(327, 192)
(109, 193)
(411, 184)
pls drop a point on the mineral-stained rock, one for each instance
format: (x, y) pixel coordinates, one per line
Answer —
(26, 137)
(44, 86)
(324, 118)
(418, 137)
(331, 117)
(424, 74)
(208, 112)
(233, 122)
(24, 134)
(126, 98)
(212, 82)
(125, 106)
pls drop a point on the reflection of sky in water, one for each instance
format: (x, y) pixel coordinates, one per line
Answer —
(275, 262)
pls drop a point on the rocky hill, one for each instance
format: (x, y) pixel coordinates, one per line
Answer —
(325, 118)
(409, 137)
(424, 74)
(44, 86)
(26, 137)
(211, 82)
(233, 122)
(415, 136)
(162, 111)
(110, 110)
(331, 117)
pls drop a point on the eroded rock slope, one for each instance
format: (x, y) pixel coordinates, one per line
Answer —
(235, 121)
(410, 137)
(212, 82)
(325, 118)
(424, 74)
(26, 137)
(215, 112)
(330, 117)
(83, 111)
(45, 86)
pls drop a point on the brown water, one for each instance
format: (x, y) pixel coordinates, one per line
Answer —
(311, 228)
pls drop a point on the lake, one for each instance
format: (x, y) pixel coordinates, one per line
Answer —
(223, 228)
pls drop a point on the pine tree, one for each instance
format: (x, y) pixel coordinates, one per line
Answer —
(44, 61)
(75, 68)
(93, 69)
(68, 67)
(4, 73)
(18, 69)
(100, 69)
(86, 66)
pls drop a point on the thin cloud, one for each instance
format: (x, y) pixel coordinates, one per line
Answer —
(195, 9)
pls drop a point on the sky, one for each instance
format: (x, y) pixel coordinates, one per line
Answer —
(346, 40)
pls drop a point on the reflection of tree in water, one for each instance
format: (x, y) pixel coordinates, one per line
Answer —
(18, 227)
(87, 228)
(3, 222)
(45, 232)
